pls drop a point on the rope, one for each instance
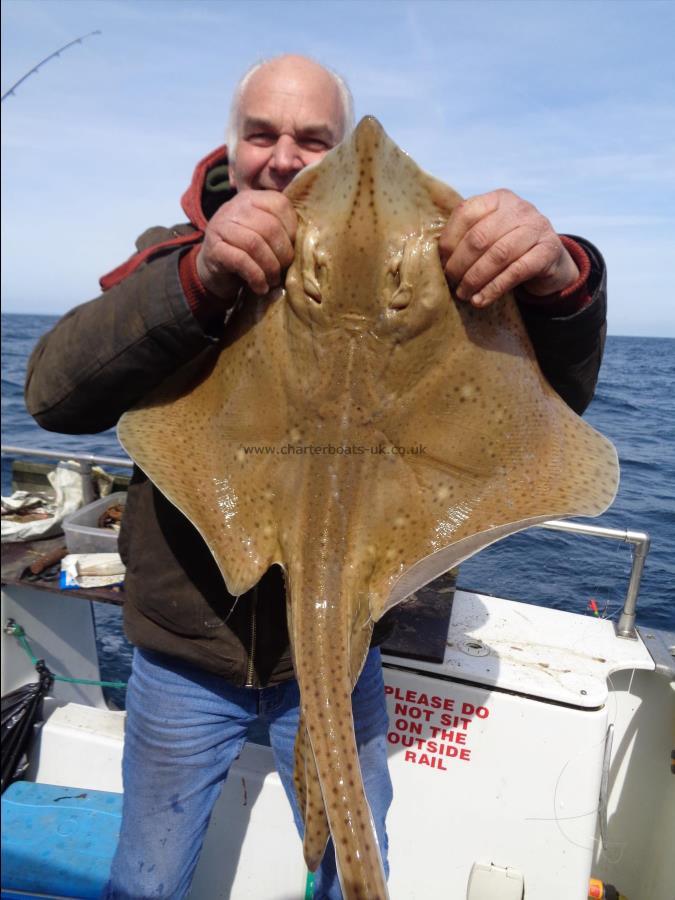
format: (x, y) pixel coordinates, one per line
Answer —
(17, 631)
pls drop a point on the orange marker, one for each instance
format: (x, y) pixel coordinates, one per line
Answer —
(594, 606)
(598, 890)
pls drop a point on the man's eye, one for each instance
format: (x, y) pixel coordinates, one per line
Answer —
(316, 145)
(261, 139)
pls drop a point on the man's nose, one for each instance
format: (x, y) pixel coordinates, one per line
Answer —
(286, 156)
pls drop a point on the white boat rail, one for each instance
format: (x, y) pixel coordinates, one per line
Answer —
(639, 540)
(87, 458)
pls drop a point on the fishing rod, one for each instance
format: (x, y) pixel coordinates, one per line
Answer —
(46, 60)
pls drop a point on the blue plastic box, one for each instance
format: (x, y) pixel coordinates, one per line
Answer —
(57, 841)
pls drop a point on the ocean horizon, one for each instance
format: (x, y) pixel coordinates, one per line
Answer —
(58, 315)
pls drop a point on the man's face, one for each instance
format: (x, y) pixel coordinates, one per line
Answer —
(290, 115)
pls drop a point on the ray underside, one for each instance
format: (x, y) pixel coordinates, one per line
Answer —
(235, 471)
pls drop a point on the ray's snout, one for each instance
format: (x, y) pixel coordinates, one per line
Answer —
(368, 130)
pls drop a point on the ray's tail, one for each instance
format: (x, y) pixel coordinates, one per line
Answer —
(327, 775)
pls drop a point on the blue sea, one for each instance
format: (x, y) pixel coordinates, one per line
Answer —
(634, 406)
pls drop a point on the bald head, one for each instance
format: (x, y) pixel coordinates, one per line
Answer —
(286, 113)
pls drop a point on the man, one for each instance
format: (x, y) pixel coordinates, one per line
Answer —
(207, 664)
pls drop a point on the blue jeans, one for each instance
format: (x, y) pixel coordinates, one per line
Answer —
(185, 727)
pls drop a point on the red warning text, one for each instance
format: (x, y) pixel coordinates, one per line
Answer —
(434, 730)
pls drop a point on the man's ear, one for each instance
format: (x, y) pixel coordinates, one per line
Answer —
(230, 174)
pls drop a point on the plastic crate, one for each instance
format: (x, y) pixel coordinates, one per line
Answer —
(81, 528)
(57, 841)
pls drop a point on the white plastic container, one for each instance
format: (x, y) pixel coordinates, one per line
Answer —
(81, 528)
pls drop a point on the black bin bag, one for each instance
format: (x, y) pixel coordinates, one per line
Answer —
(21, 712)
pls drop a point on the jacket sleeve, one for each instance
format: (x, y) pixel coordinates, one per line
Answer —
(104, 355)
(569, 349)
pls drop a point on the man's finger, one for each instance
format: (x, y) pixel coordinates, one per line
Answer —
(248, 240)
(518, 272)
(229, 260)
(488, 265)
(270, 228)
(279, 206)
(267, 212)
(462, 219)
(476, 242)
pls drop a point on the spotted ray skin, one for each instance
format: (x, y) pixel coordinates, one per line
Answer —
(363, 351)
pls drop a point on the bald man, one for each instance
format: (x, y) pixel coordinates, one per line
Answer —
(290, 113)
(207, 665)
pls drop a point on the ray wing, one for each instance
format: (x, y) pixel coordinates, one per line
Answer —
(485, 448)
(211, 440)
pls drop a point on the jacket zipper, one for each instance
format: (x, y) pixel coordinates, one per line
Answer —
(251, 652)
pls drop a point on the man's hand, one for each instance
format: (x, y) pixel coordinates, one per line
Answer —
(492, 243)
(248, 240)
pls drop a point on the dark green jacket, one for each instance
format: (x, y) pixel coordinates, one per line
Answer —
(105, 355)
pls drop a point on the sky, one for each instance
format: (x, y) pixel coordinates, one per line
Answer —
(569, 104)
